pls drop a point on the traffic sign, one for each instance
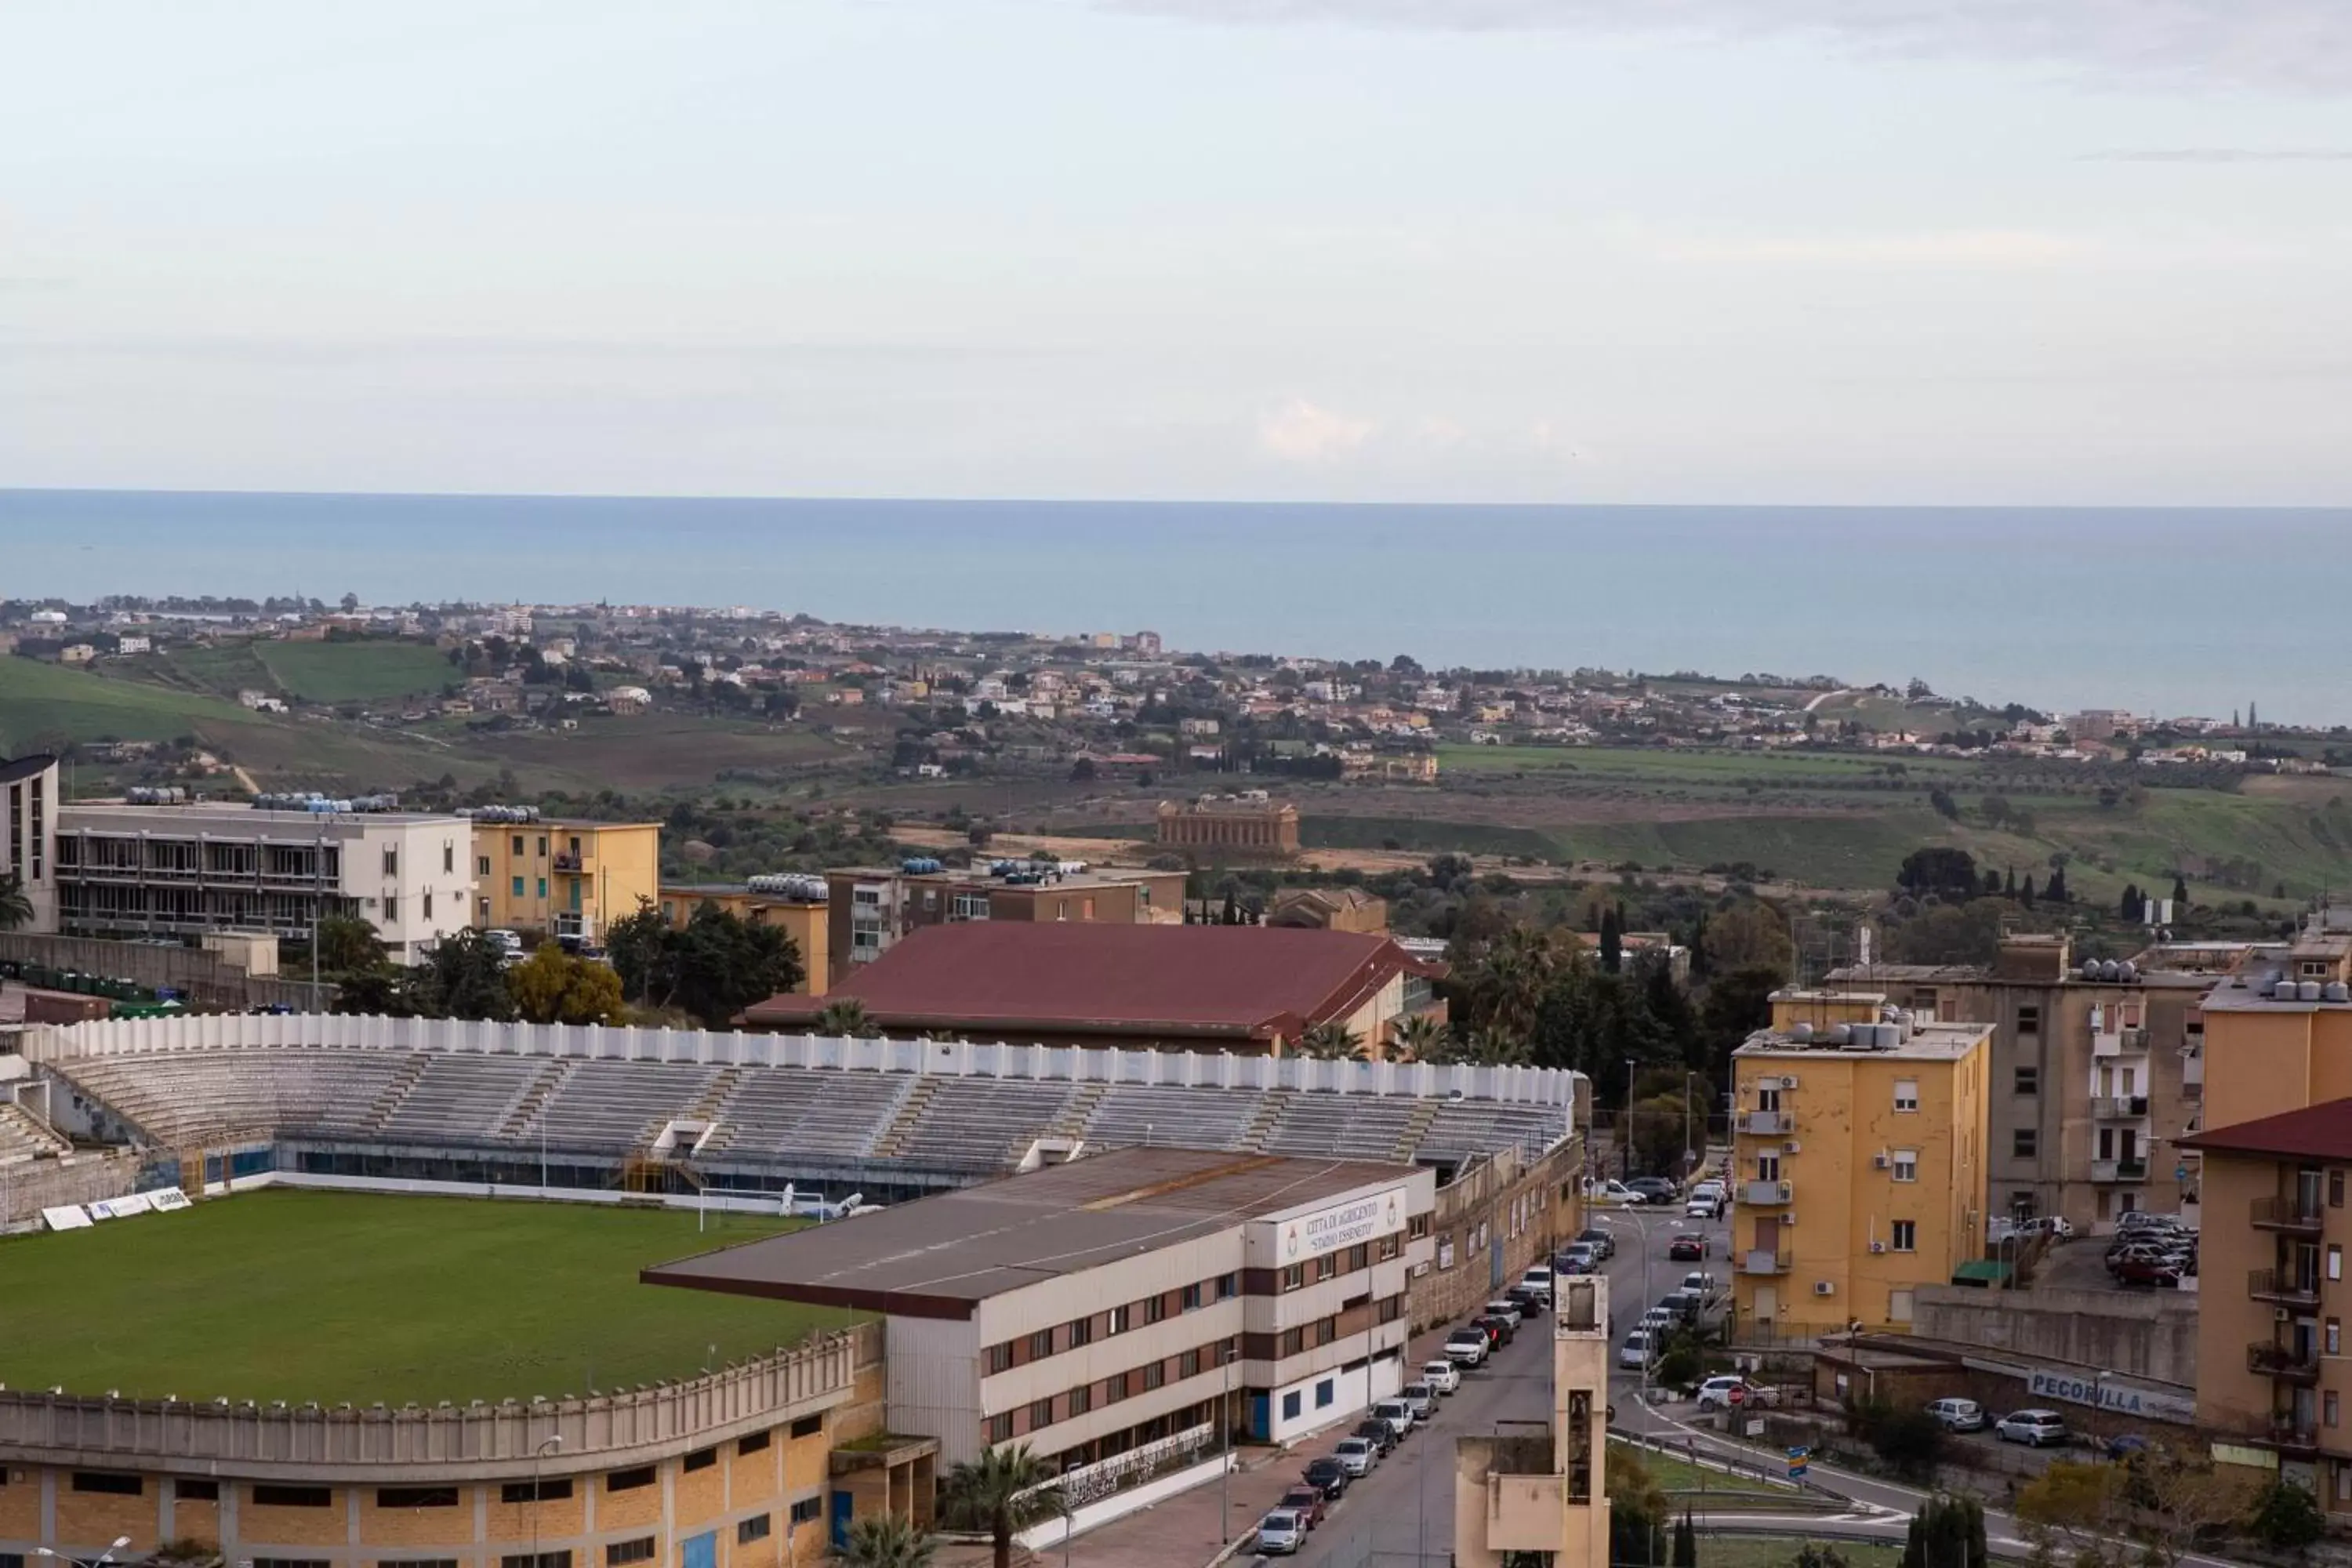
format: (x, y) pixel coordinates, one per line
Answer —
(1798, 1458)
(1738, 1395)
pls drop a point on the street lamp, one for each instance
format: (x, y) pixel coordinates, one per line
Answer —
(106, 1556)
(1227, 1353)
(538, 1497)
(1628, 1129)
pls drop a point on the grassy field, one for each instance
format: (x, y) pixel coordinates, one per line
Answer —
(1683, 765)
(355, 672)
(1776, 1550)
(38, 699)
(334, 1297)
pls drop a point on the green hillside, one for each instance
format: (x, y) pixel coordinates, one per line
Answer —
(365, 672)
(42, 703)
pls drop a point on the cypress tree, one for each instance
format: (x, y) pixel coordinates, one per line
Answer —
(1686, 1543)
(2128, 907)
(2179, 896)
(2025, 894)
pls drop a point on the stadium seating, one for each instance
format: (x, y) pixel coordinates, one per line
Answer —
(759, 1116)
(23, 1137)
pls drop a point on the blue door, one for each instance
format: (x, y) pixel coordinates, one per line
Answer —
(841, 1508)
(702, 1551)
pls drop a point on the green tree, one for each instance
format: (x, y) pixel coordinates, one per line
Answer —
(463, 976)
(1909, 1442)
(1613, 943)
(846, 1016)
(2180, 897)
(348, 944)
(1941, 870)
(1750, 935)
(1818, 1554)
(1948, 1532)
(16, 904)
(1686, 1543)
(552, 986)
(885, 1540)
(1331, 1041)
(2288, 1516)
(2073, 1501)
(1738, 1003)
(1638, 1511)
(1006, 1491)
(1420, 1037)
(712, 967)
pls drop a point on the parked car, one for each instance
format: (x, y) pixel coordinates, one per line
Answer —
(1611, 1193)
(1716, 1393)
(1306, 1502)
(1504, 1330)
(1704, 1283)
(1575, 1258)
(1688, 1247)
(1503, 1307)
(2034, 1428)
(1539, 1279)
(1357, 1457)
(1658, 1320)
(1604, 1245)
(1958, 1415)
(1655, 1190)
(1281, 1533)
(1707, 1201)
(1468, 1346)
(1397, 1413)
(1688, 1306)
(1421, 1398)
(1528, 1300)
(1441, 1375)
(2056, 1227)
(1329, 1476)
(1378, 1434)
(1635, 1350)
(2159, 1272)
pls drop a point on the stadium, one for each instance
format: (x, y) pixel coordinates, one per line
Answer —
(325, 1359)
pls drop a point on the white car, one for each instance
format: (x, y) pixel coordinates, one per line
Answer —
(1468, 1347)
(1503, 1307)
(1635, 1350)
(1441, 1375)
(1538, 1279)
(2057, 1227)
(1959, 1414)
(1420, 1399)
(1716, 1393)
(1281, 1532)
(1612, 1193)
(2033, 1429)
(1707, 1201)
(1397, 1413)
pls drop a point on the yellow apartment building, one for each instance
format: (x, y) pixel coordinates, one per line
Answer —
(1858, 1169)
(566, 879)
(1532, 1488)
(803, 917)
(2272, 1374)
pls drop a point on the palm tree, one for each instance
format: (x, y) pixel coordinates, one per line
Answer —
(1420, 1037)
(16, 904)
(885, 1540)
(846, 1016)
(1331, 1042)
(1489, 1048)
(1004, 1491)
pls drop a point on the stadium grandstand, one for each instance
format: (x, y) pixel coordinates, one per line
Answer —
(404, 1101)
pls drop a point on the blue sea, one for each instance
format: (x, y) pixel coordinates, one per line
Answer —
(2177, 612)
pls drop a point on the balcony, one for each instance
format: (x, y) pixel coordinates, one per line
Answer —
(1768, 1124)
(2118, 1107)
(2284, 1363)
(1762, 1262)
(2105, 1046)
(2192, 1069)
(2291, 1437)
(1527, 1499)
(1766, 1194)
(2288, 1215)
(566, 862)
(2283, 1289)
(2119, 1170)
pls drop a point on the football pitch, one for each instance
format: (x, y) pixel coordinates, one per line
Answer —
(338, 1297)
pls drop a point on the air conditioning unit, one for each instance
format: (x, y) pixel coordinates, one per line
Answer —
(1824, 1288)
(2281, 1315)
(1793, 1147)
(1878, 1247)
(1789, 1082)
(1879, 1161)
(1787, 1220)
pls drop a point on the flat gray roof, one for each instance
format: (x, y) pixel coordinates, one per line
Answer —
(938, 1255)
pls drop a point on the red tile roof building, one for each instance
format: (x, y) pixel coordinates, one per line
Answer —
(1245, 988)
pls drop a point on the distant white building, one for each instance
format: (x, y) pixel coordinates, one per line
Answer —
(128, 646)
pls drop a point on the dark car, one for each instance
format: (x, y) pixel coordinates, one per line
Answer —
(1527, 1298)
(1685, 1305)
(1330, 1477)
(1498, 1330)
(1687, 1249)
(1655, 1189)
(1378, 1434)
(2149, 1271)
(1306, 1502)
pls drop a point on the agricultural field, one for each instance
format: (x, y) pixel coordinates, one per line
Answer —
(367, 671)
(336, 1296)
(40, 700)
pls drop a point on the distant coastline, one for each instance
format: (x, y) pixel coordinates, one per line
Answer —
(2177, 612)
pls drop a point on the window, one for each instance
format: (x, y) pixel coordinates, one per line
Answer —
(1906, 1164)
(1907, 1236)
(1117, 1319)
(449, 858)
(429, 904)
(416, 1563)
(1291, 1342)
(1326, 1331)
(997, 1429)
(2336, 1189)
(391, 909)
(2334, 1260)
(806, 1510)
(1155, 1374)
(543, 887)
(629, 1480)
(757, 1443)
(1906, 1094)
(1113, 1388)
(1327, 1268)
(2334, 1341)
(1417, 1226)
(196, 1491)
(755, 1528)
(807, 1427)
(1228, 1286)
(2029, 1020)
(1290, 1403)
(1189, 1364)
(1041, 1415)
(2329, 1405)
(512, 1560)
(392, 860)
(1193, 1298)
(1359, 1257)
(1081, 1399)
(1293, 1277)
(1898, 1306)
(517, 844)
(107, 1481)
(292, 1497)
(2029, 1080)
(542, 845)
(1082, 1332)
(482, 866)
(701, 1460)
(1000, 1358)
(1155, 1308)
(518, 887)
(548, 1491)
(311, 1561)
(1325, 1392)
(416, 1497)
(641, 1550)
(1040, 1344)
(2024, 1142)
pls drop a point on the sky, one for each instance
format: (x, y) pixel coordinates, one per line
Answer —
(1812, 252)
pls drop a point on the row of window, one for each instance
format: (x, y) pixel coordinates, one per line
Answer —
(1087, 1396)
(1331, 1265)
(1006, 1355)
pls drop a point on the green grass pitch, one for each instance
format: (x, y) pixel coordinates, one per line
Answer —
(339, 1296)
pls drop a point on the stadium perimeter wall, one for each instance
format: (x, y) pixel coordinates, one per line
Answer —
(121, 1036)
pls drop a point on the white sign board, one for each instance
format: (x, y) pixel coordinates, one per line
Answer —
(69, 1218)
(2075, 1388)
(1341, 1225)
(168, 1200)
(120, 1208)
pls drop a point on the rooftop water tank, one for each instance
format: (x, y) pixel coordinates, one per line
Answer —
(2283, 990)
(2308, 991)
(2335, 991)
(1840, 1033)
(1803, 1033)
(2127, 970)
(2108, 969)
(2090, 969)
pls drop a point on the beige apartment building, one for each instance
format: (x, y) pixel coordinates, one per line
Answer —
(1544, 1488)
(2095, 1071)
